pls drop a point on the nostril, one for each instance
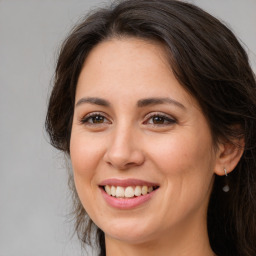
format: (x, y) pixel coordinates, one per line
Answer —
(123, 154)
(123, 164)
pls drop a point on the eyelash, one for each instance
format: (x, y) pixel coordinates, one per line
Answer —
(165, 119)
(88, 119)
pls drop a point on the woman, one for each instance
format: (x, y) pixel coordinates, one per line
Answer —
(155, 103)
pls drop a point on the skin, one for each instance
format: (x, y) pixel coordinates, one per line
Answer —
(177, 152)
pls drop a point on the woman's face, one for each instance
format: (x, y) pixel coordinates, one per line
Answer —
(141, 148)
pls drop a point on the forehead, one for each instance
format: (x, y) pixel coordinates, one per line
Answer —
(126, 55)
(129, 66)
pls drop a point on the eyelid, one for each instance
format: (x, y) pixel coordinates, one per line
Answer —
(167, 117)
(86, 117)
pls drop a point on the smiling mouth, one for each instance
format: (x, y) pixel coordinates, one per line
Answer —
(129, 191)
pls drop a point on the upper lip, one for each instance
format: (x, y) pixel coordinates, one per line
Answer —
(127, 182)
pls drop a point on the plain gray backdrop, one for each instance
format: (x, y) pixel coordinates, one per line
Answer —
(34, 197)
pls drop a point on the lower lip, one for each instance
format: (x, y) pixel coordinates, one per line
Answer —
(126, 203)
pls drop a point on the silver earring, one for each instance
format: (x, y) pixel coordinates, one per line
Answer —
(226, 187)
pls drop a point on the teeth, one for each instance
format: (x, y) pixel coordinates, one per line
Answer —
(144, 190)
(127, 192)
(108, 189)
(119, 192)
(150, 189)
(137, 191)
(113, 191)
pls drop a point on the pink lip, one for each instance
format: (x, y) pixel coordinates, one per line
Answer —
(126, 182)
(126, 203)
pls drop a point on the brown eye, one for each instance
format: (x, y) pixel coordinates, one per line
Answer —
(158, 120)
(97, 119)
(94, 119)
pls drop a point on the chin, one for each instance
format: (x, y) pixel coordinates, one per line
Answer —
(129, 231)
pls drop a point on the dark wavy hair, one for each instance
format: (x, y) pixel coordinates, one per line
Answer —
(212, 66)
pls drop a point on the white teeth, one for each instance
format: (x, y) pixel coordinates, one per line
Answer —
(113, 191)
(144, 190)
(137, 191)
(128, 192)
(108, 189)
(119, 192)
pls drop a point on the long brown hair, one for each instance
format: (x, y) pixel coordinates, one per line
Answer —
(212, 66)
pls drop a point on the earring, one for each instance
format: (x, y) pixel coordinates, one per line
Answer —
(226, 187)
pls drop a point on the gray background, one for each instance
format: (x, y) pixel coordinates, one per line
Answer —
(34, 199)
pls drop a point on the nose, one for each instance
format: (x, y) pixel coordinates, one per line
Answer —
(124, 150)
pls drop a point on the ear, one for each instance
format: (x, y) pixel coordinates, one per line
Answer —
(228, 156)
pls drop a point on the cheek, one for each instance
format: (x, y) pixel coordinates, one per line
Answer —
(85, 154)
(85, 157)
(186, 167)
(175, 153)
(186, 163)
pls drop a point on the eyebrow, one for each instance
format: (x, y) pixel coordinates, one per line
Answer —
(141, 103)
(157, 101)
(94, 101)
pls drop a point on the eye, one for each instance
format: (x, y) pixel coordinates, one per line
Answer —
(159, 120)
(95, 119)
